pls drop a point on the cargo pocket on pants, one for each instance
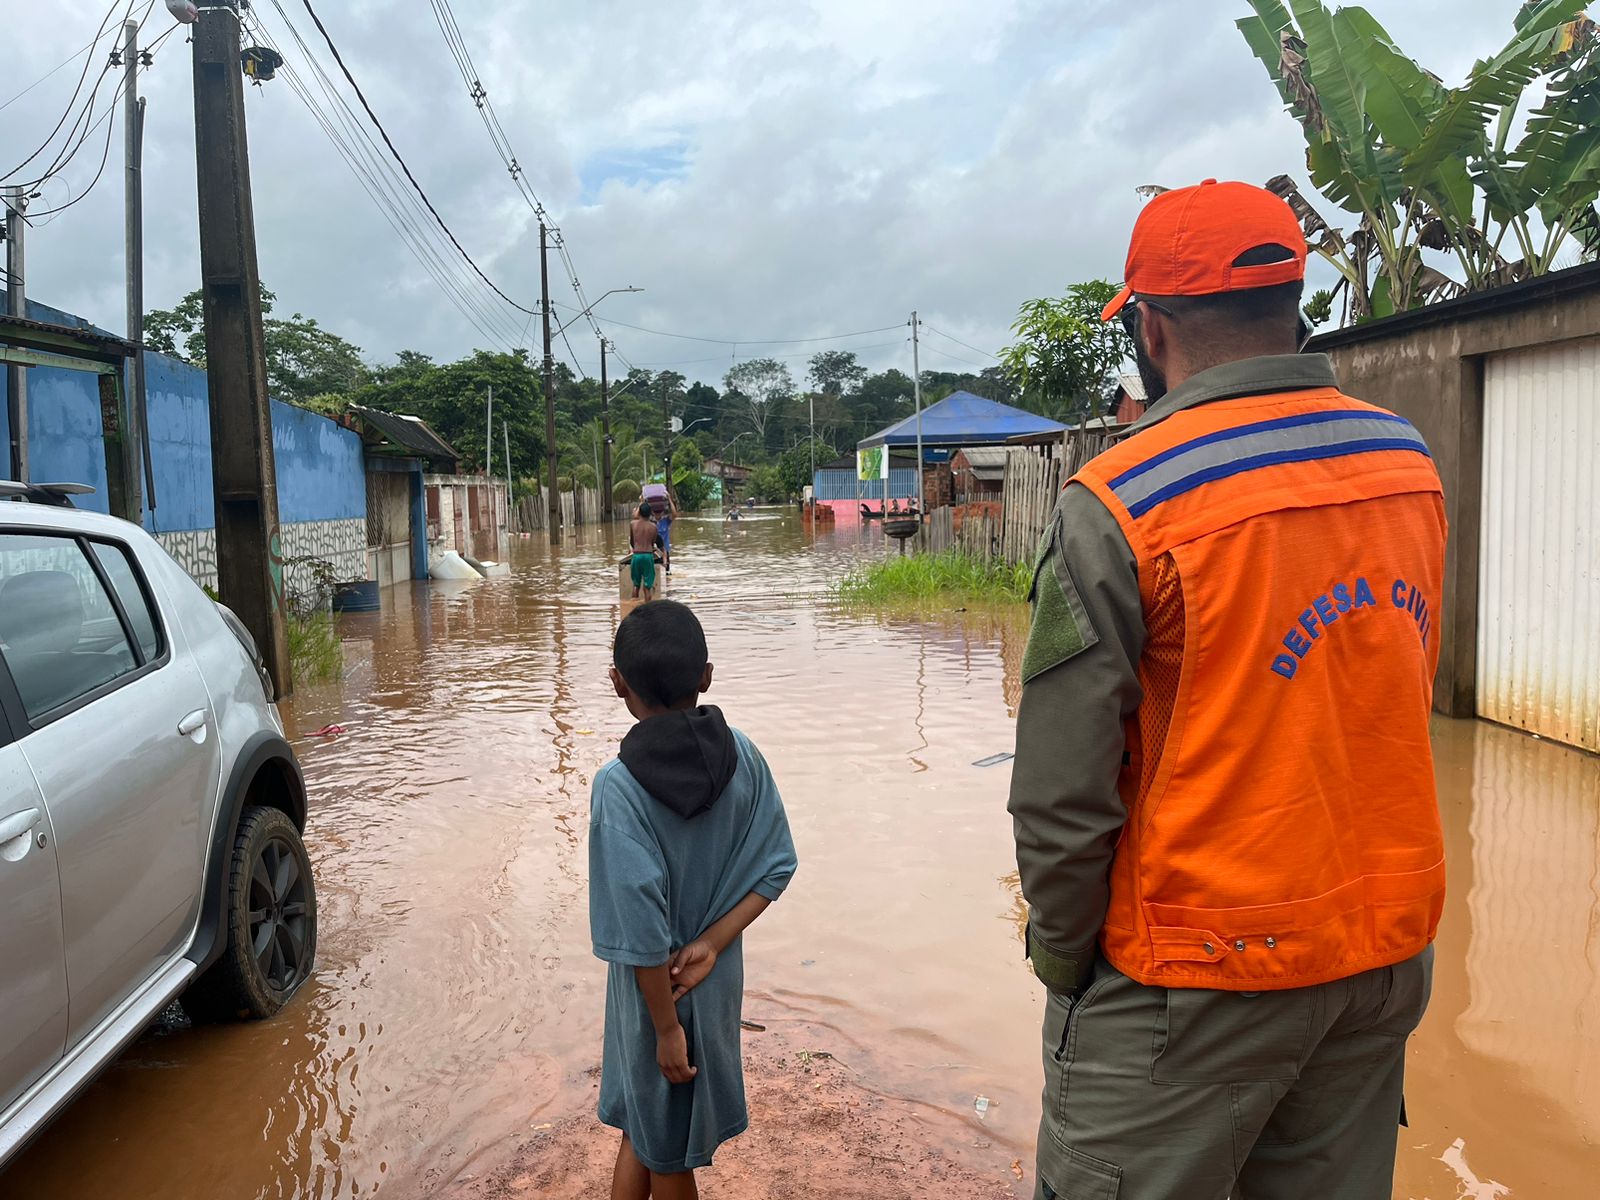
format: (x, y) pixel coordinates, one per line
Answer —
(1072, 1175)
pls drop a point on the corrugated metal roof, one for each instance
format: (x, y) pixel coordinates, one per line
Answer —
(985, 456)
(1133, 385)
(408, 433)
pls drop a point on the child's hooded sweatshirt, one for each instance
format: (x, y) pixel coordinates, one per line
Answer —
(684, 824)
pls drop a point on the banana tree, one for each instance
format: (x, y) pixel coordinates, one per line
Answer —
(1422, 166)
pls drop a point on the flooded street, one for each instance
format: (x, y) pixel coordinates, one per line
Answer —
(454, 1017)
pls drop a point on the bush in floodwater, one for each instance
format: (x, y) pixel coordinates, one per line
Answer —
(922, 577)
(314, 652)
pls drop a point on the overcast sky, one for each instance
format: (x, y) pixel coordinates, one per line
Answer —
(763, 170)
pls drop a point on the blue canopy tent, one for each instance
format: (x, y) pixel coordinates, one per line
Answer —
(962, 419)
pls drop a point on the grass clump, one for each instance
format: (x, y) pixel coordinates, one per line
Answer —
(314, 652)
(920, 578)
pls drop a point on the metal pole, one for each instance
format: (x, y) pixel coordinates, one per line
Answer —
(17, 305)
(133, 242)
(605, 419)
(554, 518)
(244, 482)
(916, 390)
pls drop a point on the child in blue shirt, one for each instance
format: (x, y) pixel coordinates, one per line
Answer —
(688, 844)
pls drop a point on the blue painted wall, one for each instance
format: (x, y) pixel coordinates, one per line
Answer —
(842, 485)
(319, 462)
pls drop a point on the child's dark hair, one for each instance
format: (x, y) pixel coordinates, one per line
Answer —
(644, 509)
(661, 652)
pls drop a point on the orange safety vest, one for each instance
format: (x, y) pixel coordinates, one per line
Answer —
(1283, 828)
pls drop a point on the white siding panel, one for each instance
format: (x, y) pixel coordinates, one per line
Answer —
(1539, 561)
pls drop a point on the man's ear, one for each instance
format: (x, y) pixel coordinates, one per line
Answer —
(705, 678)
(619, 683)
(1157, 335)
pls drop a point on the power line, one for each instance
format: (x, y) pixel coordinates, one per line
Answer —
(387, 141)
(389, 193)
(959, 359)
(690, 337)
(53, 70)
(76, 91)
(959, 342)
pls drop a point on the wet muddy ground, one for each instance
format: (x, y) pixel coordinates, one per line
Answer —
(448, 1043)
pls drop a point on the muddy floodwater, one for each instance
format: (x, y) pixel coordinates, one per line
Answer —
(448, 1041)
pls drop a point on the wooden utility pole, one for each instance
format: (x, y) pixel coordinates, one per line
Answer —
(916, 391)
(606, 506)
(249, 548)
(17, 304)
(666, 439)
(135, 436)
(553, 517)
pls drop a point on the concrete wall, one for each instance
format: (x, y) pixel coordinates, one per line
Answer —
(1427, 365)
(320, 474)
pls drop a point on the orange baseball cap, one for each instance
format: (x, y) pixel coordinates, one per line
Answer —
(1185, 243)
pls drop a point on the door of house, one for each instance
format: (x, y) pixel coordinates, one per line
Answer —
(1539, 554)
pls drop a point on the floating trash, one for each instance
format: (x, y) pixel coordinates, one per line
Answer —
(981, 1107)
(994, 760)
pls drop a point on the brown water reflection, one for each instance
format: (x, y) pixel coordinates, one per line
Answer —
(456, 1006)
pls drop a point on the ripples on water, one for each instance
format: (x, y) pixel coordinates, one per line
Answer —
(455, 1004)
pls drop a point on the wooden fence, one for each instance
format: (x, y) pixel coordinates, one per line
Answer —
(973, 533)
(1032, 485)
(577, 508)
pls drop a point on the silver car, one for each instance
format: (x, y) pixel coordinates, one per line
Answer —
(150, 809)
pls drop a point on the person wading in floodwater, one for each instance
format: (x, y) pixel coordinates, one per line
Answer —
(643, 538)
(1223, 794)
(688, 844)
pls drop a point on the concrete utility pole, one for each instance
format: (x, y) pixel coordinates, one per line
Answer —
(605, 420)
(17, 306)
(488, 437)
(916, 391)
(249, 549)
(666, 436)
(554, 517)
(137, 437)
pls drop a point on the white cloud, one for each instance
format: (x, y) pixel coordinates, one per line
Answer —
(763, 169)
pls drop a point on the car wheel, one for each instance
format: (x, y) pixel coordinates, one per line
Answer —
(271, 910)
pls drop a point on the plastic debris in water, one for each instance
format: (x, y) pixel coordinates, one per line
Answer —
(994, 760)
(981, 1105)
(328, 731)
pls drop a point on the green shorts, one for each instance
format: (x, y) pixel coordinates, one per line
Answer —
(643, 569)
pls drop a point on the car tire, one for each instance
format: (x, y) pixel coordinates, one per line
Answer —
(271, 914)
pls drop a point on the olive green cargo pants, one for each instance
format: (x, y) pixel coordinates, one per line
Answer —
(1187, 1094)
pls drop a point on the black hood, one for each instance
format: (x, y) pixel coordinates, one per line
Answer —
(683, 759)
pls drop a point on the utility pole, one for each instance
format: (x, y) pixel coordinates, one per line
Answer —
(666, 438)
(17, 305)
(605, 420)
(554, 517)
(138, 436)
(244, 483)
(916, 391)
(488, 436)
(811, 407)
(505, 430)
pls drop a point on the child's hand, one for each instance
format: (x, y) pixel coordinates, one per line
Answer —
(691, 965)
(672, 1055)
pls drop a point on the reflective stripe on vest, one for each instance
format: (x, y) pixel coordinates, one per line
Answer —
(1287, 832)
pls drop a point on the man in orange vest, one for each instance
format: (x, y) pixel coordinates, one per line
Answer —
(1223, 793)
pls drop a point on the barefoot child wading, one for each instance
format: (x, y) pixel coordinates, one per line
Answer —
(643, 538)
(688, 844)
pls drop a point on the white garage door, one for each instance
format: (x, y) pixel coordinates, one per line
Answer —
(1539, 561)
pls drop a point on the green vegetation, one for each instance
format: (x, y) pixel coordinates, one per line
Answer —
(1066, 359)
(915, 579)
(314, 652)
(1422, 166)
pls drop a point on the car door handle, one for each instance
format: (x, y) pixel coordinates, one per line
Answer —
(18, 824)
(195, 720)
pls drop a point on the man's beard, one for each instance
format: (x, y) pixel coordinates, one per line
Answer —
(1155, 383)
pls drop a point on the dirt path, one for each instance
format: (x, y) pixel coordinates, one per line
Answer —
(815, 1134)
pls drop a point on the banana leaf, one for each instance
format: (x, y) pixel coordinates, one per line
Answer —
(1341, 92)
(1262, 33)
